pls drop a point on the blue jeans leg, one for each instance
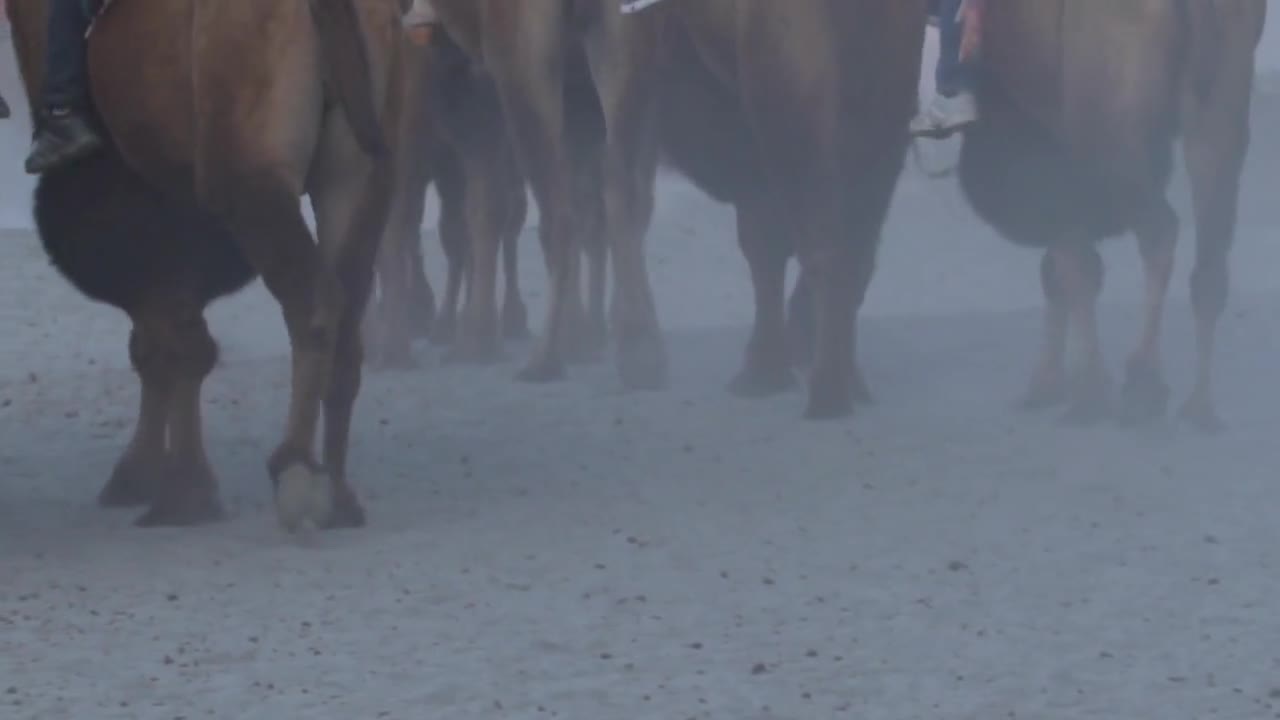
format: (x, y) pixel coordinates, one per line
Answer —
(952, 76)
(66, 81)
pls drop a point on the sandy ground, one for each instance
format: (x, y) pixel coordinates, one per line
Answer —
(575, 551)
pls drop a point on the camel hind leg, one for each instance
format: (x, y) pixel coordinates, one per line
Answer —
(1215, 143)
(622, 56)
(165, 466)
(485, 206)
(404, 293)
(525, 54)
(1145, 394)
(452, 228)
(351, 194)
(140, 471)
(189, 495)
(515, 315)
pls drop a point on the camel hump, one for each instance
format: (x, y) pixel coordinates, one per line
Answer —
(345, 54)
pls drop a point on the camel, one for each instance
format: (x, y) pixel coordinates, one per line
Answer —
(461, 134)
(450, 134)
(221, 116)
(796, 113)
(574, 81)
(1082, 104)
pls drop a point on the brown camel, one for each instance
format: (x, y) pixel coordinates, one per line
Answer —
(1082, 103)
(222, 115)
(463, 137)
(450, 134)
(796, 112)
(391, 323)
(557, 64)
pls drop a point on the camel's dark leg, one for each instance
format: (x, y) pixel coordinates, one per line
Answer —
(1145, 394)
(405, 295)
(1078, 269)
(478, 339)
(189, 495)
(1216, 141)
(801, 317)
(587, 337)
(622, 54)
(140, 471)
(454, 241)
(1048, 385)
(865, 249)
(515, 317)
(525, 55)
(351, 195)
(766, 367)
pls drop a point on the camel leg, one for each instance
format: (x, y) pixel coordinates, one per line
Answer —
(622, 54)
(140, 471)
(597, 285)
(1078, 269)
(351, 195)
(190, 494)
(801, 315)
(832, 264)
(423, 315)
(1048, 385)
(515, 316)
(390, 325)
(862, 271)
(587, 336)
(453, 240)
(525, 55)
(766, 368)
(1145, 394)
(1216, 141)
(478, 339)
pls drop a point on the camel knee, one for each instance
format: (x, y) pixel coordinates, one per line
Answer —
(173, 351)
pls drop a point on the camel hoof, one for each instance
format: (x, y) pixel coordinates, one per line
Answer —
(1200, 415)
(392, 359)
(190, 509)
(828, 408)
(541, 370)
(587, 348)
(828, 401)
(1087, 411)
(134, 482)
(861, 391)
(1144, 397)
(754, 382)
(474, 353)
(347, 512)
(515, 322)
(190, 498)
(304, 499)
(1043, 397)
(642, 363)
(444, 330)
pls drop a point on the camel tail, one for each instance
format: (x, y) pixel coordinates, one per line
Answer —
(345, 54)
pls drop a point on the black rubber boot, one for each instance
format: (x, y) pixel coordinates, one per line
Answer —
(65, 137)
